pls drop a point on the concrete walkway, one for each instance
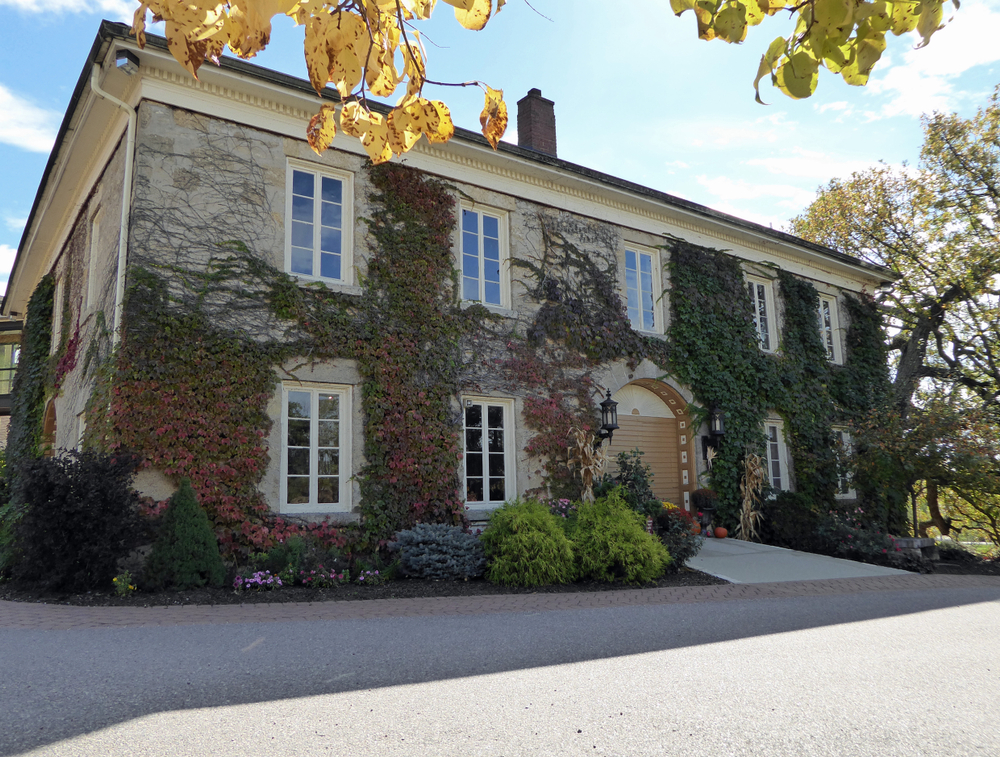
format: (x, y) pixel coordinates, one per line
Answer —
(743, 562)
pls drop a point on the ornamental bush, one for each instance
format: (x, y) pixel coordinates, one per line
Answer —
(440, 551)
(78, 517)
(526, 546)
(682, 543)
(186, 553)
(612, 544)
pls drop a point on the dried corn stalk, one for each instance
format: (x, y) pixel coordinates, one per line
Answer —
(588, 457)
(751, 485)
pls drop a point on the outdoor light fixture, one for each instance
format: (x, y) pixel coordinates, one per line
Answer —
(609, 420)
(716, 422)
(127, 62)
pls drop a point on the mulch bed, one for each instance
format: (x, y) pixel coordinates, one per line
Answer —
(405, 588)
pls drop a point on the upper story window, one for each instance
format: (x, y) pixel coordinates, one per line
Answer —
(10, 353)
(93, 258)
(642, 272)
(761, 301)
(777, 456)
(484, 257)
(315, 456)
(319, 217)
(829, 328)
(489, 449)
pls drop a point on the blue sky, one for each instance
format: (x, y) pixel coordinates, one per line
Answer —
(637, 95)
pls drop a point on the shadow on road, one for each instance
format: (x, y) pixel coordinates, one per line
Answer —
(55, 685)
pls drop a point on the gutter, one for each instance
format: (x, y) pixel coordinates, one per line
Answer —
(126, 199)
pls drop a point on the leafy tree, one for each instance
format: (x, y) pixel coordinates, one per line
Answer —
(353, 44)
(846, 37)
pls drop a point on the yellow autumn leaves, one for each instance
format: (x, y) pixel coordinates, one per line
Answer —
(361, 47)
(847, 37)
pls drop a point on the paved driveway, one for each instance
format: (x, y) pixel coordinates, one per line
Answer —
(885, 666)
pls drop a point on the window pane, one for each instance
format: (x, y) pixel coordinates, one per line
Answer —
(631, 279)
(474, 490)
(491, 249)
(474, 416)
(302, 261)
(299, 404)
(298, 433)
(332, 215)
(646, 263)
(298, 462)
(302, 183)
(491, 227)
(496, 464)
(329, 406)
(473, 440)
(470, 289)
(470, 268)
(491, 271)
(329, 462)
(492, 294)
(328, 490)
(494, 416)
(302, 209)
(630, 260)
(302, 234)
(473, 465)
(330, 240)
(329, 434)
(496, 440)
(329, 265)
(332, 190)
(470, 221)
(298, 490)
(497, 490)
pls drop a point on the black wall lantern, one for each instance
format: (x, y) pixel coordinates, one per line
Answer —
(609, 420)
(716, 429)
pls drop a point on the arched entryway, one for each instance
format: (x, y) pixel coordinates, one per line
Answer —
(653, 417)
(49, 430)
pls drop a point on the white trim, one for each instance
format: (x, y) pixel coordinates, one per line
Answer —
(845, 481)
(345, 441)
(657, 285)
(509, 451)
(93, 250)
(830, 333)
(503, 225)
(767, 287)
(777, 452)
(57, 312)
(318, 172)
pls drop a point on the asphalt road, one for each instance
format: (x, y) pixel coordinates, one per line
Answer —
(877, 673)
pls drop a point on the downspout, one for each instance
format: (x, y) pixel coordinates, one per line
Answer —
(126, 200)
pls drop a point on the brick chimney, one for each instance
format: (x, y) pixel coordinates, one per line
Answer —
(536, 123)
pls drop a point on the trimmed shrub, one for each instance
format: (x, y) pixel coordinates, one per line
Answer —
(525, 546)
(440, 551)
(186, 553)
(636, 479)
(79, 517)
(675, 532)
(612, 544)
(792, 522)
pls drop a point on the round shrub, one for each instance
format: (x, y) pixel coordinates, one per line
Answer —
(612, 544)
(186, 554)
(682, 543)
(526, 546)
(440, 551)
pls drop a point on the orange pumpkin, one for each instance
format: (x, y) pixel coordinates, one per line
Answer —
(721, 533)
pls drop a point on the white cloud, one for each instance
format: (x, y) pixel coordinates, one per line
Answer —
(923, 80)
(24, 124)
(841, 105)
(729, 189)
(15, 224)
(676, 164)
(7, 254)
(808, 164)
(119, 10)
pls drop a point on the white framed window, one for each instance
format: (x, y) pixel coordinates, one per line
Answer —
(777, 456)
(319, 219)
(642, 289)
(92, 258)
(829, 328)
(762, 304)
(845, 481)
(489, 450)
(316, 448)
(484, 253)
(57, 314)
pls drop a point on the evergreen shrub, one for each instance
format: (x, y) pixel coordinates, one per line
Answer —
(526, 546)
(675, 532)
(440, 551)
(78, 517)
(791, 521)
(186, 552)
(611, 543)
(636, 479)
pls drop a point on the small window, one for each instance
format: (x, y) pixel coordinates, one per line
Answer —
(318, 214)
(92, 260)
(845, 480)
(828, 328)
(315, 456)
(642, 276)
(484, 257)
(57, 315)
(763, 313)
(489, 444)
(777, 456)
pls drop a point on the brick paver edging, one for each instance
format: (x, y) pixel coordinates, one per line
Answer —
(27, 615)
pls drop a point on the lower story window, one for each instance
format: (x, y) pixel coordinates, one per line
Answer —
(845, 483)
(777, 466)
(488, 445)
(316, 453)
